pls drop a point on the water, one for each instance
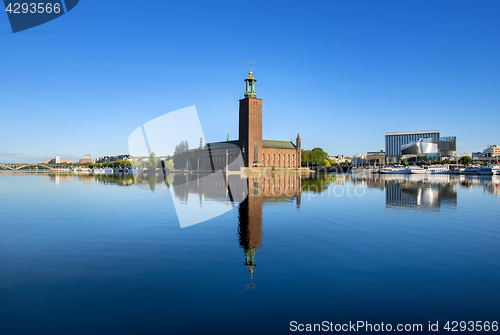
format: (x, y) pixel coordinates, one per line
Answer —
(82, 254)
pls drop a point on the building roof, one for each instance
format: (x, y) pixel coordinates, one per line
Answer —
(225, 144)
(278, 144)
(414, 132)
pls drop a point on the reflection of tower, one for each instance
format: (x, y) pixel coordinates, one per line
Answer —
(298, 144)
(250, 127)
(250, 229)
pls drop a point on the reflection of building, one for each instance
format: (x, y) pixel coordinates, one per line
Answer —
(260, 190)
(419, 195)
(256, 151)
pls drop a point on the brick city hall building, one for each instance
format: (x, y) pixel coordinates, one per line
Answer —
(256, 152)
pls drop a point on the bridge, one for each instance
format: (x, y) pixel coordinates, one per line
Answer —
(19, 166)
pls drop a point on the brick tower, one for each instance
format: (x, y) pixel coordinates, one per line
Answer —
(250, 128)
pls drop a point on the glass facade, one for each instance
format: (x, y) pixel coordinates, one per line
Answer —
(394, 141)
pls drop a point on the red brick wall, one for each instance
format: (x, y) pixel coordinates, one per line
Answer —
(280, 158)
(250, 128)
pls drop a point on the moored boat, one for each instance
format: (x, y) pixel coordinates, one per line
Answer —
(396, 169)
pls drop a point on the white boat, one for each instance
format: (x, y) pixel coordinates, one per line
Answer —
(363, 170)
(396, 169)
(98, 171)
(108, 170)
(433, 169)
(470, 170)
(491, 169)
(439, 169)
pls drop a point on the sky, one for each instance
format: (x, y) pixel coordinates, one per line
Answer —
(342, 73)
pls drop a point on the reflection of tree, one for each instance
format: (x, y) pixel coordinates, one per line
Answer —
(152, 181)
(181, 187)
(317, 185)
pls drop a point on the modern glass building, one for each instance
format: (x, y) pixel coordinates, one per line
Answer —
(394, 141)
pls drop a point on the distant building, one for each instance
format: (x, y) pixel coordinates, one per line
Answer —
(340, 158)
(256, 151)
(358, 159)
(87, 156)
(375, 157)
(418, 143)
(492, 151)
(107, 159)
(431, 147)
(394, 141)
(477, 154)
(57, 160)
(84, 161)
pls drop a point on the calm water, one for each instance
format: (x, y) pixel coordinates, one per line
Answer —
(101, 255)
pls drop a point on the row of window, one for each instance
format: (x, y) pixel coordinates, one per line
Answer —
(279, 160)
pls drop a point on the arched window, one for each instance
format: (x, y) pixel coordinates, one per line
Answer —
(268, 160)
(279, 161)
(263, 159)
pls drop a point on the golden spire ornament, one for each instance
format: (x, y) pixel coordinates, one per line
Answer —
(250, 73)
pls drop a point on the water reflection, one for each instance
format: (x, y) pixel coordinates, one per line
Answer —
(216, 194)
(420, 194)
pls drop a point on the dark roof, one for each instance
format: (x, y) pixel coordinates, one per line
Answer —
(225, 144)
(265, 144)
(278, 144)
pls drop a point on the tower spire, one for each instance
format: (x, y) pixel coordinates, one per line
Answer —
(250, 84)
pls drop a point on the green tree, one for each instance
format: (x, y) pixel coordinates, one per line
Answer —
(181, 155)
(404, 161)
(153, 161)
(446, 161)
(333, 162)
(169, 165)
(465, 160)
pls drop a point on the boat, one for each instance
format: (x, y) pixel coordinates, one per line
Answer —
(363, 170)
(439, 169)
(396, 169)
(470, 170)
(433, 169)
(108, 170)
(489, 170)
(98, 171)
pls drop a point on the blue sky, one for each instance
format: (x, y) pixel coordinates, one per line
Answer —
(342, 72)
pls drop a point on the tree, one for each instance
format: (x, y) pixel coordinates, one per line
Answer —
(404, 161)
(446, 161)
(333, 162)
(181, 155)
(169, 165)
(465, 160)
(153, 161)
(346, 162)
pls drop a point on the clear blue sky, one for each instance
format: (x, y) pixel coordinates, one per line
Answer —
(342, 72)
